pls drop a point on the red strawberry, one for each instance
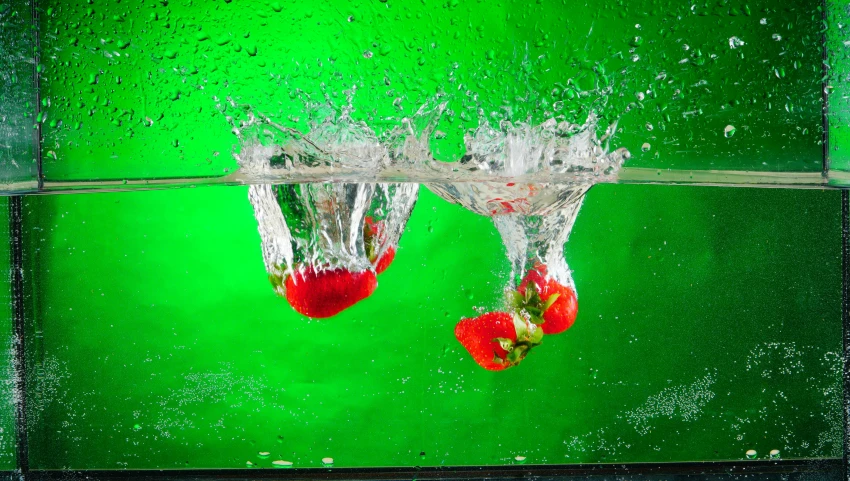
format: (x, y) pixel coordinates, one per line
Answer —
(497, 340)
(327, 292)
(385, 260)
(548, 303)
(374, 233)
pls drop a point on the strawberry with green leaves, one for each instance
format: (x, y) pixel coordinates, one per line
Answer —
(374, 236)
(321, 293)
(497, 340)
(547, 303)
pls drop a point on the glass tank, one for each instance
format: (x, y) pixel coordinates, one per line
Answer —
(459, 239)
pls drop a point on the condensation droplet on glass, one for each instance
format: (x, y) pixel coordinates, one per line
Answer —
(735, 42)
(645, 147)
(776, 37)
(282, 464)
(264, 454)
(640, 96)
(327, 461)
(774, 454)
(763, 21)
(519, 459)
(635, 58)
(649, 126)
(729, 131)
(751, 454)
(367, 54)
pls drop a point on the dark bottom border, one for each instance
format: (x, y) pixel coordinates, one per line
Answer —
(821, 469)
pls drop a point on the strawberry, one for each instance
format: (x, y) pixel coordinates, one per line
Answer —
(548, 303)
(497, 340)
(374, 233)
(323, 293)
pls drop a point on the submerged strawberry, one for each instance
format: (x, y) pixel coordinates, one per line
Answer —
(497, 340)
(548, 303)
(326, 292)
(374, 234)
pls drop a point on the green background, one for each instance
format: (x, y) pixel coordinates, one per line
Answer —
(709, 324)
(142, 89)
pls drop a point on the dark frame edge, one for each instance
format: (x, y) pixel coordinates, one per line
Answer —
(18, 339)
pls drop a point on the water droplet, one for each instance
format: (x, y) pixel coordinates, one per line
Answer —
(763, 21)
(774, 454)
(249, 464)
(645, 147)
(367, 54)
(776, 37)
(735, 42)
(282, 464)
(649, 126)
(263, 454)
(137, 427)
(520, 459)
(751, 454)
(729, 131)
(328, 462)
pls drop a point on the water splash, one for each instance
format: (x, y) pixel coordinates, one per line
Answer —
(336, 146)
(316, 224)
(322, 224)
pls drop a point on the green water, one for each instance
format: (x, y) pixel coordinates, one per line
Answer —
(709, 324)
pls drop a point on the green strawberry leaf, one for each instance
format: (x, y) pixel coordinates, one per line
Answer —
(554, 297)
(537, 337)
(517, 354)
(505, 343)
(516, 299)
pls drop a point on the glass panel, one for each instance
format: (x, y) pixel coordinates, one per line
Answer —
(8, 394)
(709, 329)
(18, 98)
(168, 91)
(837, 88)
